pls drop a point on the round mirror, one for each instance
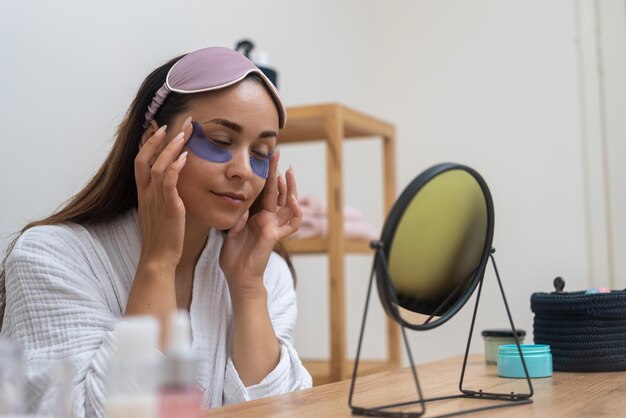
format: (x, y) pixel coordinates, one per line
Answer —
(435, 245)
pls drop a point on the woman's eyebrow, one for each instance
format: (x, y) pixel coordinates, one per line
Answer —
(268, 134)
(234, 126)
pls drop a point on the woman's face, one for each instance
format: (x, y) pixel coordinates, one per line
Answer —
(242, 118)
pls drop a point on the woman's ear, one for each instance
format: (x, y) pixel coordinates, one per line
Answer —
(150, 130)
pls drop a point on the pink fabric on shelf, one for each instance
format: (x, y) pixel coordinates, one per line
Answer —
(311, 227)
(359, 229)
(315, 221)
(314, 206)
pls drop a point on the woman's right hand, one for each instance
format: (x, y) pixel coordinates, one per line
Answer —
(160, 209)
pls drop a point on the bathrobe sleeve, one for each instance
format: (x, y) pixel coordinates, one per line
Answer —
(57, 308)
(289, 374)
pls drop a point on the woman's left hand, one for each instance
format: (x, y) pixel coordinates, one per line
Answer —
(249, 243)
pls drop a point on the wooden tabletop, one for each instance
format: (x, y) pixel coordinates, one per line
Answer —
(562, 395)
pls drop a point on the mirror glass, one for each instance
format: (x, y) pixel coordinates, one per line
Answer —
(436, 242)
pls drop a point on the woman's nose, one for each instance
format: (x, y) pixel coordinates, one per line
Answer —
(239, 166)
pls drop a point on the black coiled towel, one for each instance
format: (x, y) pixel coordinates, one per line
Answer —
(586, 332)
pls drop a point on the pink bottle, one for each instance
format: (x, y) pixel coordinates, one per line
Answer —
(181, 402)
(180, 395)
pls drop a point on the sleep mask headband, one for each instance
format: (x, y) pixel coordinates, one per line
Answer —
(210, 150)
(210, 69)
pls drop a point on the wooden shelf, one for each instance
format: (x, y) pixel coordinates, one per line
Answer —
(320, 369)
(307, 123)
(332, 123)
(320, 246)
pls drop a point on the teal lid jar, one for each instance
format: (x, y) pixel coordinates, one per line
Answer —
(538, 358)
(496, 337)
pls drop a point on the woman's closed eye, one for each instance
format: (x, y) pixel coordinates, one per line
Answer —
(262, 153)
(220, 142)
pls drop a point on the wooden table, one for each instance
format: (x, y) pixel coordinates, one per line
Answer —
(562, 395)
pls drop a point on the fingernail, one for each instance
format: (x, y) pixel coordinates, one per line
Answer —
(291, 168)
(179, 137)
(183, 155)
(187, 123)
(161, 130)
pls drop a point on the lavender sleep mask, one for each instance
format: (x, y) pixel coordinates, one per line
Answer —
(212, 151)
(210, 69)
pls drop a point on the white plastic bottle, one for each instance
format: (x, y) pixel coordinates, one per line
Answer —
(181, 396)
(133, 380)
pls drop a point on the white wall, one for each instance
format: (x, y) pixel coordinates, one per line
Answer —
(610, 87)
(492, 84)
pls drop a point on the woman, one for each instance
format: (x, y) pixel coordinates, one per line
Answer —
(194, 157)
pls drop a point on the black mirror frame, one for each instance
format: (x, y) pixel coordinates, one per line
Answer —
(384, 284)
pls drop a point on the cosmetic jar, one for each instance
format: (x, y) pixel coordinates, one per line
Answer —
(496, 337)
(538, 360)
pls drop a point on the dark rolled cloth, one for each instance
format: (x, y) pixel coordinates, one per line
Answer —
(586, 332)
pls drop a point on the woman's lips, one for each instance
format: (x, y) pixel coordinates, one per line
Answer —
(235, 199)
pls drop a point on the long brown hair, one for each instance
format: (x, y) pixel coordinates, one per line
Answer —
(112, 190)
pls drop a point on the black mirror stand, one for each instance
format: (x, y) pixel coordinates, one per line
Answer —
(510, 399)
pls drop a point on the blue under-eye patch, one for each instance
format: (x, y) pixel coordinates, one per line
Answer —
(208, 150)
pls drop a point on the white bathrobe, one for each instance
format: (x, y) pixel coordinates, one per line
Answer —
(67, 288)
